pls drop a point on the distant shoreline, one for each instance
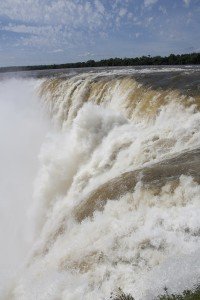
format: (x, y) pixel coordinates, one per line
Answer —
(172, 59)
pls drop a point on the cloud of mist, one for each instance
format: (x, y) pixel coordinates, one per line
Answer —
(22, 130)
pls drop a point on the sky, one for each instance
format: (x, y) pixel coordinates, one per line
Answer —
(59, 31)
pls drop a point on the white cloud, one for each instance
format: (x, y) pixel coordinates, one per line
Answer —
(61, 22)
(187, 2)
(149, 2)
(122, 12)
(99, 6)
(54, 23)
(130, 15)
(150, 19)
(86, 54)
(57, 51)
(163, 9)
(189, 18)
(61, 12)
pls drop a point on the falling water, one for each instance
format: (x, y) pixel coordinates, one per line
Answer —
(115, 202)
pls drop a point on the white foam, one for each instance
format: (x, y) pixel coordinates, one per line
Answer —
(139, 238)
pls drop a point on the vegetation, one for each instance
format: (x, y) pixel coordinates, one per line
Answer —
(120, 295)
(187, 295)
(183, 59)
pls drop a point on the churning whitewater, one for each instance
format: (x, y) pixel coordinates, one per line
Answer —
(115, 203)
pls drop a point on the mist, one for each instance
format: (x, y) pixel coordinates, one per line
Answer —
(23, 127)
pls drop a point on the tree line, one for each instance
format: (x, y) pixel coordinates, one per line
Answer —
(172, 59)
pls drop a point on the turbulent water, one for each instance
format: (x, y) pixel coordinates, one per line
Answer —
(116, 196)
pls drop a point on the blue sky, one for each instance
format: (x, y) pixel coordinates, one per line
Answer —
(59, 31)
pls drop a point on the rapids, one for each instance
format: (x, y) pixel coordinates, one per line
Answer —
(116, 196)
